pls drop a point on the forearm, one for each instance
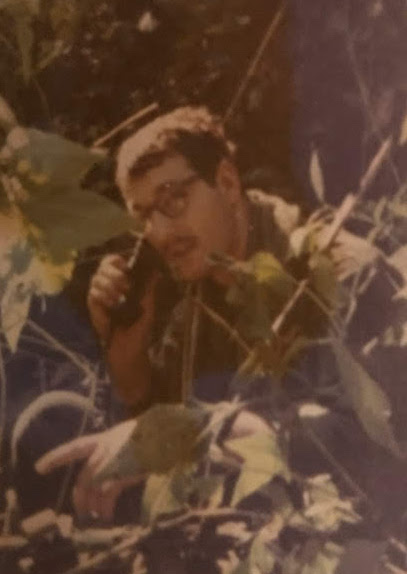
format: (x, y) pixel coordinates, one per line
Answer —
(130, 367)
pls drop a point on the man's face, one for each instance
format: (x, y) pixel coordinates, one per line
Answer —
(186, 219)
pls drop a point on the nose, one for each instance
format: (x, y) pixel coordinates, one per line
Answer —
(159, 229)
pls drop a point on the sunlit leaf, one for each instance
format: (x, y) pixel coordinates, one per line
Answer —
(316, 176)
(324, 510)
(262, 461)
(368, 399)
(159, 498)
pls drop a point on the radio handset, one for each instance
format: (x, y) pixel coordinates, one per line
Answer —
(142, 263)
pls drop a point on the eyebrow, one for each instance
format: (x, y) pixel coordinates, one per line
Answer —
(159, 191)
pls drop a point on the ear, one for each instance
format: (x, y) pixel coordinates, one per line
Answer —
(227, 181)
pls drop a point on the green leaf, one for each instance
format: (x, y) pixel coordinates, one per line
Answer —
(316, 176)
(262, 461)
(69, 220)
(368, 399)
(159, 498)
(62, 162)
(165, 437)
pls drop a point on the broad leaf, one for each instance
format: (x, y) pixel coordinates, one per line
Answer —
(165, 437)
(61, 161)
(368, 399)
(70, 220)
(159, 498)
(262, 461)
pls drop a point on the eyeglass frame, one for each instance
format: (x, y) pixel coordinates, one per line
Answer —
(171, 190)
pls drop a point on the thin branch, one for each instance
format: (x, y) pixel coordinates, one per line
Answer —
(254, 63)
(288, 307)
(124, 124)
(220, 321)
(365, 97)
(92, 396)
(134, 540)
(53, 341)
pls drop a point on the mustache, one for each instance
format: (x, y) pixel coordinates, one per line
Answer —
(178, 245)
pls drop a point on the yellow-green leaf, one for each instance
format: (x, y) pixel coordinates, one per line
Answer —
(262, 460)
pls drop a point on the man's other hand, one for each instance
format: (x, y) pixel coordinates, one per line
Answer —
(91, 499)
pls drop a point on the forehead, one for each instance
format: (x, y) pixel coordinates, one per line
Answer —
(145, 188)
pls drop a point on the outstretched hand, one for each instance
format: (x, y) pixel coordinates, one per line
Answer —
(91, 499)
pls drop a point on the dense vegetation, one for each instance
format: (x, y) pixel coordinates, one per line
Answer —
(316, 100)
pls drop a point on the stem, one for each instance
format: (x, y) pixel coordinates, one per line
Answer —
(91, 375)
(254, 63)
(220, 321)
(365, 97)
(133, 118)
(134, 540)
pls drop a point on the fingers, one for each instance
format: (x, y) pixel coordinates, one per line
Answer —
(110, 282)
(75, 450)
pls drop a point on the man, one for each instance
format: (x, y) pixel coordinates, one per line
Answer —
(178, 178)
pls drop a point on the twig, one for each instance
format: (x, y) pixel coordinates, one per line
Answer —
(220, 321)
(124, 124)
(364, 94)
(92, 396)
(254, 63)
(350, 201)
(61, 347)
(288, 307)
(134, 540)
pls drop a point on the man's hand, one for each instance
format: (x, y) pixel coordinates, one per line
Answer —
(90, 498)
(127, 347)
(109, 285)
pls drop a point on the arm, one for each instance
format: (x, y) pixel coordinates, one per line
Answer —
(127, 347)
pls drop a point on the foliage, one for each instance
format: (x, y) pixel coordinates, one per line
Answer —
(201, 474)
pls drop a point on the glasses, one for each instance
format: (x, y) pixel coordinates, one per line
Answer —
(172, 202)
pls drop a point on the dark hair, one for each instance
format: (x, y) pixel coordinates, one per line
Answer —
(192, 132)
